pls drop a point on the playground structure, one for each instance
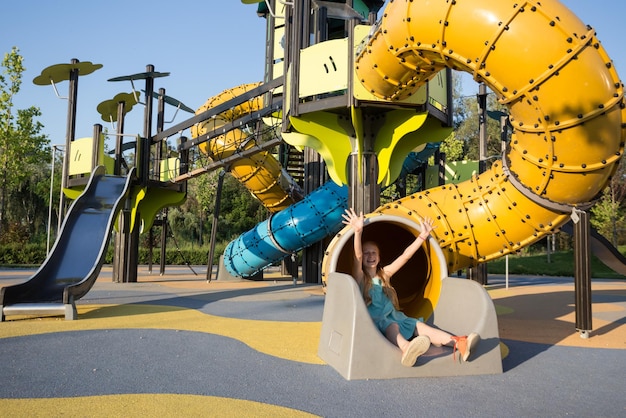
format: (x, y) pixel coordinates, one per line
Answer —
(351, 101)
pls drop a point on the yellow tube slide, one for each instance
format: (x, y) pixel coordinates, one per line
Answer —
(260, 173)
(565, 102)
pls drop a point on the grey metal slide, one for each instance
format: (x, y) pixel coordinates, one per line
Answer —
(75, 261)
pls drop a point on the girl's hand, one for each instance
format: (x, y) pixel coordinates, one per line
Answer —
(354, 220)
(426, 225)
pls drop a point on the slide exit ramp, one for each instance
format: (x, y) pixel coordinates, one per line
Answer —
(75, 261)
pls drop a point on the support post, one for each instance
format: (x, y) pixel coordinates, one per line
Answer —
(69, 137)
(163, 253)
(120, 255)
(314, 177)
(122, 239)
(440, 159)
(97, 140)
(364, 191)
(479, 272)
(216, 215)
(582, 275)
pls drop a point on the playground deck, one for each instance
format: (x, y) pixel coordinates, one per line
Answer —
(177, 345)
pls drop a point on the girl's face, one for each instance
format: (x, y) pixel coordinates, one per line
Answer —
(371, 255)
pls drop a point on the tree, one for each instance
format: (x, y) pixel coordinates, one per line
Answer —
(466, 124)
(608, 215)
(453, 146)
(23, 151)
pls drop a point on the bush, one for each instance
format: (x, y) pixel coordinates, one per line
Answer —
(174, 256)
(35, 255)
(561, 264)
(27, 254)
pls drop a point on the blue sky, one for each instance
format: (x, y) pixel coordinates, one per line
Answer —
(206, 46)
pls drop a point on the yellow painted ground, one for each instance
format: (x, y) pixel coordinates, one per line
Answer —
(287, 340)
(144, 405)
(546, 315)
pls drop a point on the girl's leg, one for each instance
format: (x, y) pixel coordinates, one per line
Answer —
(437, 337)
(393, 334)
(465, 344)
(411, 350)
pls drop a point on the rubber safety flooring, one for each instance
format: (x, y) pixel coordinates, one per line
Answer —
(178, 345)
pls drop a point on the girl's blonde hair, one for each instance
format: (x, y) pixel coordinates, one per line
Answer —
(389, 291)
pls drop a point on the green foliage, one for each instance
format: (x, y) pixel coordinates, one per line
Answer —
(24, 154)
(35, 255)
(467, 130)
(22, 254)
(453, 147)
(607, 217)
(557, 264)
(608, 214)
(174, 255)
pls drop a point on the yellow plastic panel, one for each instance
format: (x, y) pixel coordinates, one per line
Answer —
(430, 132)
(137, 194)
(170, 167)
(324, 68)
(390, 148)
(81, 155)
(109, 164)
(154, 200)
(328, 134)
(73, 194)
(278, 64)
(438, 91)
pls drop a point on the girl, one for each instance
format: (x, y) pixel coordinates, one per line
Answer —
(382, 301)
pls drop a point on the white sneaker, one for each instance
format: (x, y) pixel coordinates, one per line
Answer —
(417, 346)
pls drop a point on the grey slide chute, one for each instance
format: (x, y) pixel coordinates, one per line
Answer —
(76, 258)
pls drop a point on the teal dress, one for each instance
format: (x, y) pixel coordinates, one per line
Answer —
(383, 312)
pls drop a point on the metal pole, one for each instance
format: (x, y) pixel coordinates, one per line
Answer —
(97, 140)
(120, 256)
(506, 270)
(482, 121)
(119, 140)
(479, 273)
(582, 275)
(69, 135)
(163, 253)
(216, 214)
(159, 156)
(61, 193)
(54, 153)
(440, 157)
(147, 129)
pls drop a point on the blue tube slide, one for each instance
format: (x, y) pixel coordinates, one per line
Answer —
(288, 231)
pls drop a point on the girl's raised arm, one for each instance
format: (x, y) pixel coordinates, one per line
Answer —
(356, 222)
(426, 227)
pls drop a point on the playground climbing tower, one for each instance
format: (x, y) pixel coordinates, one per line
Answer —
(347, 134)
